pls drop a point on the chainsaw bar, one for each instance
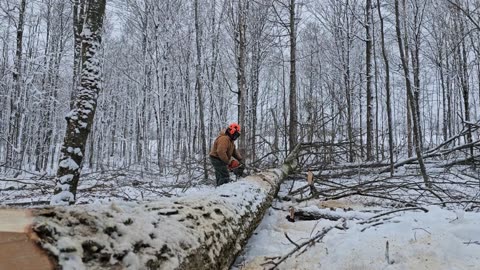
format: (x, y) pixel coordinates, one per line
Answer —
(239, 171)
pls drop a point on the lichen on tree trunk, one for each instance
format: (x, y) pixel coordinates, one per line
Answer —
(80, 118)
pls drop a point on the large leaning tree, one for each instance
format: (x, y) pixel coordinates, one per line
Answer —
(80, 118)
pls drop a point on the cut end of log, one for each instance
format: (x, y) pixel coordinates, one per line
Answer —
(18, 249)
(15, 220)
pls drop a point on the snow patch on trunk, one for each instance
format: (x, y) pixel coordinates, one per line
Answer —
(68, 163)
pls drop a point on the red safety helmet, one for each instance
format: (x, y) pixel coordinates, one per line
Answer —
(233, 131)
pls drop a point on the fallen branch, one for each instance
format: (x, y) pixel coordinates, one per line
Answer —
(304, 214)
(291, 241)
(304, 245)
(376, 221)
(429, 154)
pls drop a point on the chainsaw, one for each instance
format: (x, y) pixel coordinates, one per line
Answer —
(237, 168)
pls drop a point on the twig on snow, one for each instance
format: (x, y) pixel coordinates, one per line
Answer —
(291, 241)
(399, 210)
(319, 236)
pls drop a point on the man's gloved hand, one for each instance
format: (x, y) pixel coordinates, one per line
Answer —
(233, 164)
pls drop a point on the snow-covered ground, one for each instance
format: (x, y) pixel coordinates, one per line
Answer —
(361, 233)
(442, 238)
(30, 189)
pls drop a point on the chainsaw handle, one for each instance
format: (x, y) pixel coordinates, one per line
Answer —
(233, 164)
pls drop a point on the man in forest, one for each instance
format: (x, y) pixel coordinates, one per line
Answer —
(222, 152)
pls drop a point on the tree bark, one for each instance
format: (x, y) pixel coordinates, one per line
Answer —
(387, 89)
(293, 121)
(14, 132)
(254, 97)
(406, 51)
(78, 20)
(198, 87)
(241, 63)
(417, 25)
(80, 118)
(369, 97)
(411, 98)
(345, 52)
(463, 67)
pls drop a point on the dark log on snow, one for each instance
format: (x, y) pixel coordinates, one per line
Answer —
(199, 231)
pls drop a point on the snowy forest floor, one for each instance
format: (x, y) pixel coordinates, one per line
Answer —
(364, 231)
(368, 220)
(35, 189)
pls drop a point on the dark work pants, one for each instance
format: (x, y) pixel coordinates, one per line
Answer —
(221, 172)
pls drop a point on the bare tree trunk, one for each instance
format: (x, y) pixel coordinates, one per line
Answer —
(409, 129)
(292, 128)
(13, 151)
(440, 64)
(142, 131)
(463, 66)
(78, 20)
(42, 141)
(417, 24)
(360, 120)
(378, 136)
(411, 98)
(254, 96)
(405, 48)
(241, 77)
(348, 84)
(63, 38)
(369, 96)
(285, 112)
(387, 88)
(275, 131)
(80, 119)
(449, 96)
(198, 86)
(5, 147)
(259, 21)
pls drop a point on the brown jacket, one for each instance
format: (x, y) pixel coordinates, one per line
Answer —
(224, 148)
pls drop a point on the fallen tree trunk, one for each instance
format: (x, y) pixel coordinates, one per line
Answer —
(201, 231)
